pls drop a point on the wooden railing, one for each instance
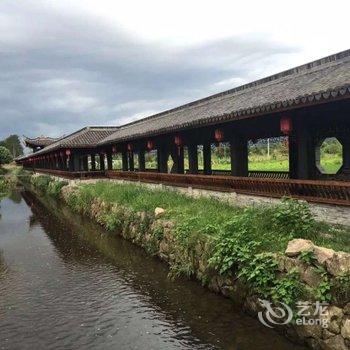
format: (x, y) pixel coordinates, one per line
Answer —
(332, 192)
(321, 191)
(70, 174)
(263, 174)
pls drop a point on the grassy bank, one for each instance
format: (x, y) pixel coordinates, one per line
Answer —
(283, 222)
(8, 178)
(211, 240)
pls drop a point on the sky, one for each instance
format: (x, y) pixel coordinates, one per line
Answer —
(68, 64)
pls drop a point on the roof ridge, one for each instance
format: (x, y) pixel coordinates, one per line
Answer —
(298, 69)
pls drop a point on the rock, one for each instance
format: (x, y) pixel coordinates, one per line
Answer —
(333, 315)
(290, 263)
(313, 343)
(159, 212)
(345, 329)
(307, 331)
(334, 343)
(327, 334)
(346, 309)
(298, 245)
(339, 264)
(323, 254)
(311, 277)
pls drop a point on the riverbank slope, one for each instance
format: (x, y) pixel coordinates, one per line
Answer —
(240, 253)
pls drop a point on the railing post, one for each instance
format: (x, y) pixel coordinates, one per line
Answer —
(239, 156)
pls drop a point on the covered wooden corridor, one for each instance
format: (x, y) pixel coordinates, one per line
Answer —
(306, 105)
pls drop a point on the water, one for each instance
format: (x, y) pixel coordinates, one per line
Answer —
(64, 284)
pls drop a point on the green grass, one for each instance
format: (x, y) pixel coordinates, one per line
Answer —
(178, 207)
(271, 226)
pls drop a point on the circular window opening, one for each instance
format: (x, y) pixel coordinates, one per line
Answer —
(329, 156)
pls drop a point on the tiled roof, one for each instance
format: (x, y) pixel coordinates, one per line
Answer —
(89, 136)
(41, 141)
(324, 79)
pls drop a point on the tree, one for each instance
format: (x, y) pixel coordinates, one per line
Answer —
(5, 155)
(13, 144)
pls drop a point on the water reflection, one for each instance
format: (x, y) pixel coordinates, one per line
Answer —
(76, 286)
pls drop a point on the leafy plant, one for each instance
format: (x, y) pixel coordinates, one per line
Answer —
(308, 257)
(294, 218)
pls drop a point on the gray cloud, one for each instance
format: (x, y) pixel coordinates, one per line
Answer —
(60, 72)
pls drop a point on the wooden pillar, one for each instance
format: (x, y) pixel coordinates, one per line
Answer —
(85, 163)
(193, 158)
(71, 162)
(102, 162)
(293, 156)
(142, 162)
(162, 157)
(207, 158)
(345, 141)
(131, 160)
(179, 160)
(239, 156)
(64, 162)
(125, 160)
(93, 162)
(109, 161)
(302, 155)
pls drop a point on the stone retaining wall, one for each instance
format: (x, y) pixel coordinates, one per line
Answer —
(143, 229)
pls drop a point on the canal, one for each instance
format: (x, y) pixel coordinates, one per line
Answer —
(65, 283)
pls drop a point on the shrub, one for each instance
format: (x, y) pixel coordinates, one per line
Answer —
(54, 188)
(41, 182)
(293, 217)
(5, 156)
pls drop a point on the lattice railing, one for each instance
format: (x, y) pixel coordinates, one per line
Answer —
(334, 192)
(72, 175)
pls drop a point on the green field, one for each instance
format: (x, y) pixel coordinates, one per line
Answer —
(260, 159)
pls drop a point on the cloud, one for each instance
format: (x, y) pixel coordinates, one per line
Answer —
(65, 66)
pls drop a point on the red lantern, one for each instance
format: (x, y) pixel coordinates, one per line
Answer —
(178, 142)
(219, 135)
(130, 147)
(150, 145)
(286, 125)
(114, 149)
(68, 152)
